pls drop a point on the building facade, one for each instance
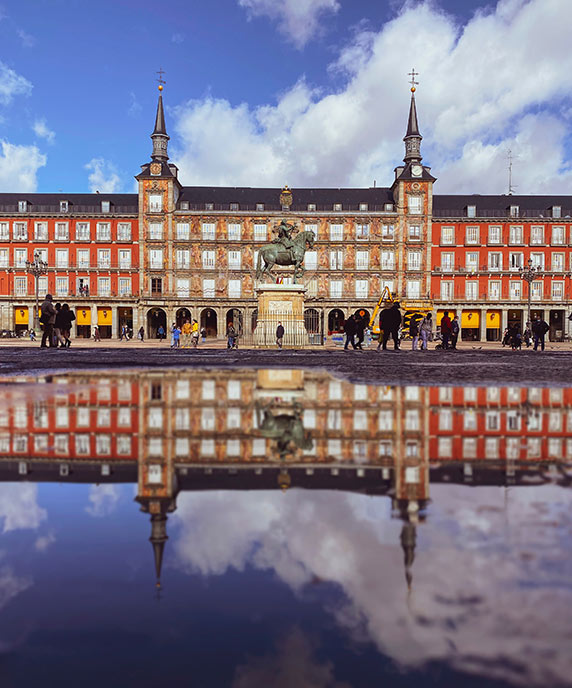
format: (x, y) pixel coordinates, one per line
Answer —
(169, 252)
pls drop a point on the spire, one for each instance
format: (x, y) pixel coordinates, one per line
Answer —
(159, 135)
(412, 138)
(158, 539)
(160, 118)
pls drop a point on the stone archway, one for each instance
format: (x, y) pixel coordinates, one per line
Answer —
(181, 315)
(209, 322)
(336, 320)
(155, 318)
(234, 316)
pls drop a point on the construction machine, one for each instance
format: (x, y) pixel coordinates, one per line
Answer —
(409, 311)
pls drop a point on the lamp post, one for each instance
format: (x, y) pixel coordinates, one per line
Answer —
(529, 274)
(37, 267)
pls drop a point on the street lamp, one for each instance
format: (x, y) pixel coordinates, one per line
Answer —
(529, 274)
(37, 267)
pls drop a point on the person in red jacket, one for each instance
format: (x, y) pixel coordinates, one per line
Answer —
(446, 328)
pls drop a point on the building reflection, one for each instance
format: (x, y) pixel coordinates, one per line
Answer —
(173, 431)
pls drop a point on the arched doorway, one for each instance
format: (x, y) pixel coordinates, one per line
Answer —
(336, 320)
(181, 315)
(363, 314)
(234, 316)
(313, 321)
(209, 322)
(155, 318)
(254, 319)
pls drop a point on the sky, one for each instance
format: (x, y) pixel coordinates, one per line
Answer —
(297, 92)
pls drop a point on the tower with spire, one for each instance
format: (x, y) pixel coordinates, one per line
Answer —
(412, 138)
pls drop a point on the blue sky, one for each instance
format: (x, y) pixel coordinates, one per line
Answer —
(305, 92)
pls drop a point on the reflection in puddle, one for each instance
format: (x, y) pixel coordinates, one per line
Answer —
(436, 571)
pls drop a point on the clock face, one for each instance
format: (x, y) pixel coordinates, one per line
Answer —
(155, 168)
(416, 170)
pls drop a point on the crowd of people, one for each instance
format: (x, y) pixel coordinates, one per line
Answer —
(534, 335)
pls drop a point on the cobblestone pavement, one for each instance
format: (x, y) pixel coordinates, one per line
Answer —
(467, 366)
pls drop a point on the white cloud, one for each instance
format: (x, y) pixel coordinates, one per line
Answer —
(134, 105)
(104, 177)
(298, 20)
(483, 90)
(19, 507)
(103, 500)
(26, 39)
(11, 585)
(43, 542)
(12, 85)
(19, 166)
(42, 130)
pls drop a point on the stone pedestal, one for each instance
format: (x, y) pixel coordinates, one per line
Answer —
(281, 303)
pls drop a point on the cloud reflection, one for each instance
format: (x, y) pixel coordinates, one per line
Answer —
(19, 507)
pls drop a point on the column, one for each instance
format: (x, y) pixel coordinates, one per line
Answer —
(114, 323)
(93, 316)
(483, 326)
(504, 320)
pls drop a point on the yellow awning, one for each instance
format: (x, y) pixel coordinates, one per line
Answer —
(470, 319)
(21, 315)
(104, 315)
(493, 320)
(83, 316)
(440, 315)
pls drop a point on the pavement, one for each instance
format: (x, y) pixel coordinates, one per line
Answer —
(469, 365)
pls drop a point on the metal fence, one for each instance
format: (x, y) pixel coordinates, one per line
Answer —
(299, 332)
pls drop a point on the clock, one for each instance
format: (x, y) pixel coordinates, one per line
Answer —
(155, 168)
(416, 170)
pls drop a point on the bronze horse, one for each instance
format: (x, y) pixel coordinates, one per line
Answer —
(275, 254)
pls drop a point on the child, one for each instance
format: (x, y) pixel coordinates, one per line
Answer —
(176, 337)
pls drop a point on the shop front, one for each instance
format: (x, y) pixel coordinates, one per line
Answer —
(83, 323)
(515, 318)
(470, 324)
(22, 317)
(493, 322)
(104, 321)
(556, 323)
(125, 319)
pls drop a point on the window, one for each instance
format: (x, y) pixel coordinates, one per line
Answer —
(363, 207)
(208, 288)
(20, 286)
(537, 235)
(82, 231)
(515, 290)
(415, 204)
(515, 235)
(362, 232)
(472, 261)
(234, 260)
(4, 231)
(234, 288)
(413, 289)
(516, 260)
(362, 260)
(537, 291)
(471, 291)
(470, 419)
(62, 258)
(514, 211)
(537, 260)
(62, 231)
(209, 206)
(447, 262)
(447, 236)
(388, 207)
(494, 290)
(182, 258)
(183, 286)
(495, 261)
(208, 260)
(3, 257)
(557, 262)
(22, 206)
(556, 211)
(124, 286)
(558, 236)
(472, 235)
(336, 288)
(446, 291)
(471, 211)
(156, 285)
(260, 232)
(312, 287)
(337, 207)
(103, 231)
(156, 258)
(311, 207)
(155, 231)
(495, 234)
(233, 230)
(414, 232)
(208, 231)
(387, 232)
(20, 257)
(387, 260)
(469, 447)
(41, 231)
(104, 286)
(336, 260)
(83, 258)
(362, 289)
(125, 258)
(182, 231)
(103, 257)
(492, 420)
(445, 419)
(234, 206)
(260, 207)
(20, 231)
(155, 203)
(557, 291)
(105, 206)
(414, 260)
(336, 232)
(445, 447)
(311, 260)
(385, 420)
(124, 231)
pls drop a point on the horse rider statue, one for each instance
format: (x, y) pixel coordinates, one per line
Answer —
(285, 236)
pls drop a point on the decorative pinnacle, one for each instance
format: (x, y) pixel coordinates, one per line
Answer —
(414, 83)
(160, 79)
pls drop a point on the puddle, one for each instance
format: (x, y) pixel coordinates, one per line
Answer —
(304, 531)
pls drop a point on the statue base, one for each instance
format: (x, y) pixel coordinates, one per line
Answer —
(281, 303)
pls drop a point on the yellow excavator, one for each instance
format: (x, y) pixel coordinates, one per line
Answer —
(408, 311)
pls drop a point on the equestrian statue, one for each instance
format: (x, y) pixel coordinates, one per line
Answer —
(284, 250)
(287, 429)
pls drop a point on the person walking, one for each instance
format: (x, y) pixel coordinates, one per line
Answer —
(446, 329)
(96, 335)
(414, 333)
(279, 335)
(32, 334)
(141, 334)
(186, 334)
(527, 335)
(539, 329)
(48, 318)
(195, 334)
(68, 316)
(390, 322)
(204, 334)
(455, 329)
(231, 336)
(58, 328)
(176, 338)
(360, 332)
(516, 338)
(161, 333)
(173, 328)
(350, 328)
(426, 331)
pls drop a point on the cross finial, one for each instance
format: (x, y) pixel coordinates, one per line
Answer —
(414, 83)
(160, 79)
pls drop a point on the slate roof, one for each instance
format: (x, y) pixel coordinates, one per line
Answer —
(78, 203)
(454, 206)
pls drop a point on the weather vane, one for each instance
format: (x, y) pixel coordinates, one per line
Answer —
(414, 83)
(160, 79)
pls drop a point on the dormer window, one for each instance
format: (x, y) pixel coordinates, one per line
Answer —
(64, 206)
(337, 207)
(312, 207)
(556, 211)
(260, 206)
(22, 206)
(388, 207)
(184, 205)
(209, 206)
(364, 207)
(514, 211)
(234, 206)
(105, 206)
(471, 211)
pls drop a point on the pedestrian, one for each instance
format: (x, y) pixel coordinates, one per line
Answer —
(360, 332)
(141, 334)
(123, 334)
(414, 333)
(204, 334)
(279, 335)
(426, 331)
(195, 334)
(390, 322)
(527, 334)
(350, 328)
(32, 335)
(506, 337)
(539, 329)
(58, 328)
(47, 319)
(186, 334)
(161, 333)
(173, 328)
(68, 316)
(454, 332)
(446, 329)
(96, 335)
(176, 337)
(516, 338)
(231, 336)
